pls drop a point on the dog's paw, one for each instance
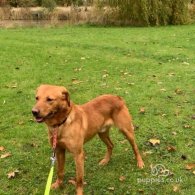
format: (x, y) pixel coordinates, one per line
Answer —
(58, 183)
(103, 162)
(140, 164)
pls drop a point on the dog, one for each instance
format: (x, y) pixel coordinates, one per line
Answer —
(77, 124)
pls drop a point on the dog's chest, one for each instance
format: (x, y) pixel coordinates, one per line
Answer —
(68, 138)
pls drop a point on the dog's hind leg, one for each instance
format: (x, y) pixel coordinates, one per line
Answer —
(104, 136)
(123, 121)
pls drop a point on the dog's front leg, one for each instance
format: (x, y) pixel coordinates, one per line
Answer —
(60, 155)
(79, 161)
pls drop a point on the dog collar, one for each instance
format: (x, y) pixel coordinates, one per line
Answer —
(58, 125)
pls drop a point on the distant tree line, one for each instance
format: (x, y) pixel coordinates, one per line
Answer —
(34, 3)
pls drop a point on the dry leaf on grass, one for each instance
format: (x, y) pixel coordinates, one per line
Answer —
(12, 174)
(76, 82)
(8, 154)
(111, 188)
(174, 133)
(163, 89)
(171, 148)
(186, 126)
(20, 122)
(122, 178)
(141, 191)
(176, 188)
(147, 153)
(2, 148)
(154, 141)
(178, 91)
(171, 74)
(123, 141)
(142, 110)
(190, 166)
(77, 69)
(105, 76)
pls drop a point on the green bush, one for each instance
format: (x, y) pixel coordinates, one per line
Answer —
(21, 3)
(149, 12)
(49, 4)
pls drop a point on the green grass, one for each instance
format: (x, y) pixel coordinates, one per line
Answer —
(152, 68)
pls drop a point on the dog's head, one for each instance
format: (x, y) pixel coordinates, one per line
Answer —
(51, 103)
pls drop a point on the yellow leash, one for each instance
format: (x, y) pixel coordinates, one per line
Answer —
(49, 181)
(53, 159)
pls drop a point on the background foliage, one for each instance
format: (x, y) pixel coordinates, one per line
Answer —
(133, 12)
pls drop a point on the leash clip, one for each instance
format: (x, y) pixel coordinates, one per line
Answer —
(53, 159)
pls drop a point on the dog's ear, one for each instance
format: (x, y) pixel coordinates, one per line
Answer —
(66, 96)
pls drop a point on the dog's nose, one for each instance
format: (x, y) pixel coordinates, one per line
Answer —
(35, 112)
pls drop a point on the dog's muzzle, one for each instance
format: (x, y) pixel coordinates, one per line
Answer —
(36, 114)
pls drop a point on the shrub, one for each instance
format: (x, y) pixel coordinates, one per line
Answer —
(49, 4)
(148, 12)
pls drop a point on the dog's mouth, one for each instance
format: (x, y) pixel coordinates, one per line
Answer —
(41, 119)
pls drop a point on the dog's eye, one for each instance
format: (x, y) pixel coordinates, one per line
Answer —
(49, 99)
(37, 98)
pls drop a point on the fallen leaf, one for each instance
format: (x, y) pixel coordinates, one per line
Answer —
(142, 110)
(21, 123)
(178, 91)
(193, 172)
(171, 74)
(174, 133)
(6, 155)
(123, 141)
(171, 148)
(122, 178)
(76, 82)
(176, 188)
(186, 126)
(34, 145)
(186, 63)
(190, 166)
(147, 152)
(77, 69)
(2, 148)
(163, 89)
(154, 141)
(111, 188)
(126, 149)
(141, 191)
(105, 76)
(12, 174)
(13, 85)
(131, 83)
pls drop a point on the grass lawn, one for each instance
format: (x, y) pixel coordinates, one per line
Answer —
(153, 69)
